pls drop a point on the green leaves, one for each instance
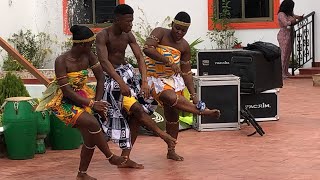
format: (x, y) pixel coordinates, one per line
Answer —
(143, 28)
(12, 86)
(34, 47)
(194, 51)
(222, 34)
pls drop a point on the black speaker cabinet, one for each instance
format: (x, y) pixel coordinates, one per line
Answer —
(263, 106)
(255, 72)
(220, 92)
(214, 62)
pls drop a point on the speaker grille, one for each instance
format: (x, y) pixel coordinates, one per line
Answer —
(224, 98)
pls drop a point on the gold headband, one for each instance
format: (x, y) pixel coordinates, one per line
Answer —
(85, 40)
(181, 23)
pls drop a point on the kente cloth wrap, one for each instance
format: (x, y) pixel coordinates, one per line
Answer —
(160, 75)
(64, 108)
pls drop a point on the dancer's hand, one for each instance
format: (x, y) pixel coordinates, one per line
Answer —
(300, 17)
(100, 106)
(175, 68)
(145, 90)
(125, 90)
(103, 115)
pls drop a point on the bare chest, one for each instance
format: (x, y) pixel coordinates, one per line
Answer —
(74, 65)
(117, 44)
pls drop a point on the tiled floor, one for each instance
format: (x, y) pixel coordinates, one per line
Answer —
(290, 150)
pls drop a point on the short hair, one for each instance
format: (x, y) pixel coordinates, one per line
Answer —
(183, 16)
(287, 7)
(81, 32)
(123, 9)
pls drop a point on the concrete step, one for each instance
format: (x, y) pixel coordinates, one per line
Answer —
(299, 76)
(309, 71)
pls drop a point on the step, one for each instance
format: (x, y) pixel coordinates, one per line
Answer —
(299, 76)
(309, 71)
(316, 64)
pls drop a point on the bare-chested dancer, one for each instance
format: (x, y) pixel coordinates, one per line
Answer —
(122, 85)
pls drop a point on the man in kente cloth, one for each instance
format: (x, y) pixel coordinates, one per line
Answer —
(73, 101)
(169, 71)
(122, 88)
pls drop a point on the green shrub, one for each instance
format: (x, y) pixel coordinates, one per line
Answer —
(34, 47)
(222, 34)
(12, 86)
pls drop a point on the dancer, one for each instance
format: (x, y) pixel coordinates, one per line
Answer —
(72, 101)
(122, 88)
(167, 52)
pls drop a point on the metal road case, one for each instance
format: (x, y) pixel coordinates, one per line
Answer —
(220, 92)
(263, 106)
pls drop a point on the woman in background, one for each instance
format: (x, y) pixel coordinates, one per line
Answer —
(286, 18)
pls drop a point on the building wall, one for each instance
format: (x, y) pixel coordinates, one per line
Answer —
(46, 16)
(198, 11)
(16, 15)
(38, 16)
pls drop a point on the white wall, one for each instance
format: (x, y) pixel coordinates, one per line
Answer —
(38, 16)
(16, 15)
(158, 10)
(198, 10)
(46, 15)
(49, 19)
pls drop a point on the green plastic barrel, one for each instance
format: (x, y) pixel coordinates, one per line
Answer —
(63, 137)
(43, 129)
(20, 127)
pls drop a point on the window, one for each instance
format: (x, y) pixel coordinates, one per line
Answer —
(248, 14)
(95, 14)
(249, 10)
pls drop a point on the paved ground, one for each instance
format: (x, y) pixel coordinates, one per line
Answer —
(290, 150)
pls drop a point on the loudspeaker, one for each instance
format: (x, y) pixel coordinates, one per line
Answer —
(263, 106)
(214, 62)
(255, 72)
(218, 92)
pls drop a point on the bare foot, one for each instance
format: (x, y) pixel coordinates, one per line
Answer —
(117, 160)
(171, 142)
(84, 176)
(174, 156)
(131, 164)
(211, 112)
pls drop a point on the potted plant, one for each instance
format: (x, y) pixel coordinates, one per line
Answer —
(194, 51)
(36, 48)
(222, 33)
